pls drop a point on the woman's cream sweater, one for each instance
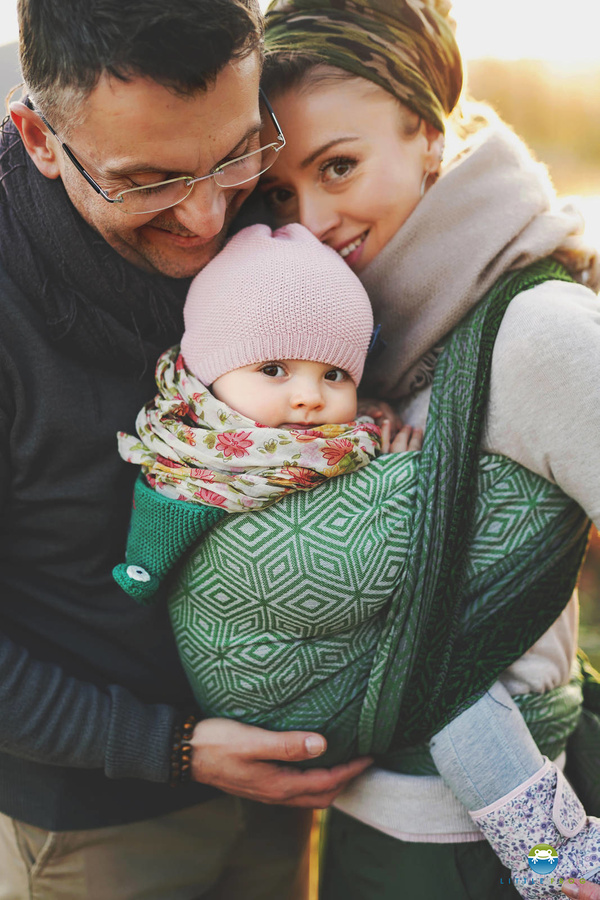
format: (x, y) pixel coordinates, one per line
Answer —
(491, 211)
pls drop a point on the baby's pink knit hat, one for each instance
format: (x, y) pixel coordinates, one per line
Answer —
(275, 295)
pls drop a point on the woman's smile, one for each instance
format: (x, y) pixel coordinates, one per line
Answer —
(349, 173)
(348, 250)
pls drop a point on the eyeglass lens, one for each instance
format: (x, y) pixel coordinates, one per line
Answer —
(170, 193)
(246, 168)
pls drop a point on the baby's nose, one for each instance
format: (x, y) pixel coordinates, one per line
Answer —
(309, 397)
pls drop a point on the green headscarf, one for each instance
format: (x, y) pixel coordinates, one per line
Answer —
(405, 46)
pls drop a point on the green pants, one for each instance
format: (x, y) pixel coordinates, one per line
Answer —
(361, 863)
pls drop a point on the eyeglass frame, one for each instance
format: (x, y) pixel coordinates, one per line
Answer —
(189, 179)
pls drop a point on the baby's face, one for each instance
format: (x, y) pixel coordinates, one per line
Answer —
(289, 393)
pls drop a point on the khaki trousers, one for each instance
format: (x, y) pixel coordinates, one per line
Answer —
(224, 849)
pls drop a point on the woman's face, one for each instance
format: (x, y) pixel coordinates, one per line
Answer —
(347, 172)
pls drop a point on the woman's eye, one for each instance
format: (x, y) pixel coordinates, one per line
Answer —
(273, 370)
(336, 169)
(335, 375)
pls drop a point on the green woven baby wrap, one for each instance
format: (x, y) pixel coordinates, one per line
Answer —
(376, 607)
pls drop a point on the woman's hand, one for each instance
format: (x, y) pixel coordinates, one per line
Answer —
(244, 761)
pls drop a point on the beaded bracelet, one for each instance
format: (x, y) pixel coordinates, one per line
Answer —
(181, 752)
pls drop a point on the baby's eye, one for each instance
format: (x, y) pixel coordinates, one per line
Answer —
(273, 370)
(336, 375)
(336, 169)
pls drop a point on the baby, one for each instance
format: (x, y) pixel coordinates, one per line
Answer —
(279, 328)
(259, 404)
(279, 616)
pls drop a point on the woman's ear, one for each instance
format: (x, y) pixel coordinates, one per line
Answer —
(435, 149)
(41, 146)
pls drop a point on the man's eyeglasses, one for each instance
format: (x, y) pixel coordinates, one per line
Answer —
(149, 198)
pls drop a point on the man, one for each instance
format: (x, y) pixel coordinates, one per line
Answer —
(115, 190)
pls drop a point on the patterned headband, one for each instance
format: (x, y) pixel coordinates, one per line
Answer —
(405, 46)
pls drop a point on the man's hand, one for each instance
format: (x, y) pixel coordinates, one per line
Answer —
(572, 887)
(240, 759)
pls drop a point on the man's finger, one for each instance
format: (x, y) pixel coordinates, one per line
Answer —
(318, 788)
(349, 770)
(334, 779)
(312, 801)
(318, 781)
(245, 760)
(286, 746)
(311, 787)
(252, 743)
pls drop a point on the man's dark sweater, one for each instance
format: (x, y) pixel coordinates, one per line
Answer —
(89, 680)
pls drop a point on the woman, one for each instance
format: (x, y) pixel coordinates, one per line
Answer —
(363, 92)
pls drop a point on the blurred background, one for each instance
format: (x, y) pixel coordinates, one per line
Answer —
(537, 62)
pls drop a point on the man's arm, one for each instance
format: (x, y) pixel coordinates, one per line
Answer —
(49, 717)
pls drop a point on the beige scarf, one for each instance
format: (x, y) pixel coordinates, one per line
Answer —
(493, 209)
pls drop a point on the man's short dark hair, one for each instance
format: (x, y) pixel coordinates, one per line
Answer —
(66, 45)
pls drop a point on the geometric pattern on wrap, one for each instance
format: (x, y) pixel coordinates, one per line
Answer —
(524, 592)
(435, 658)
(552, 718)
(277, 614)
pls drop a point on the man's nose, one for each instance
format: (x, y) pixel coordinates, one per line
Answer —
(203, 211)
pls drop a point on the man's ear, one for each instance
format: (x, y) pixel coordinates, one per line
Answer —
(41, 146)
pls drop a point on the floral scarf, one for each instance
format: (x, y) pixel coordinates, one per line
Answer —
(192, 446)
